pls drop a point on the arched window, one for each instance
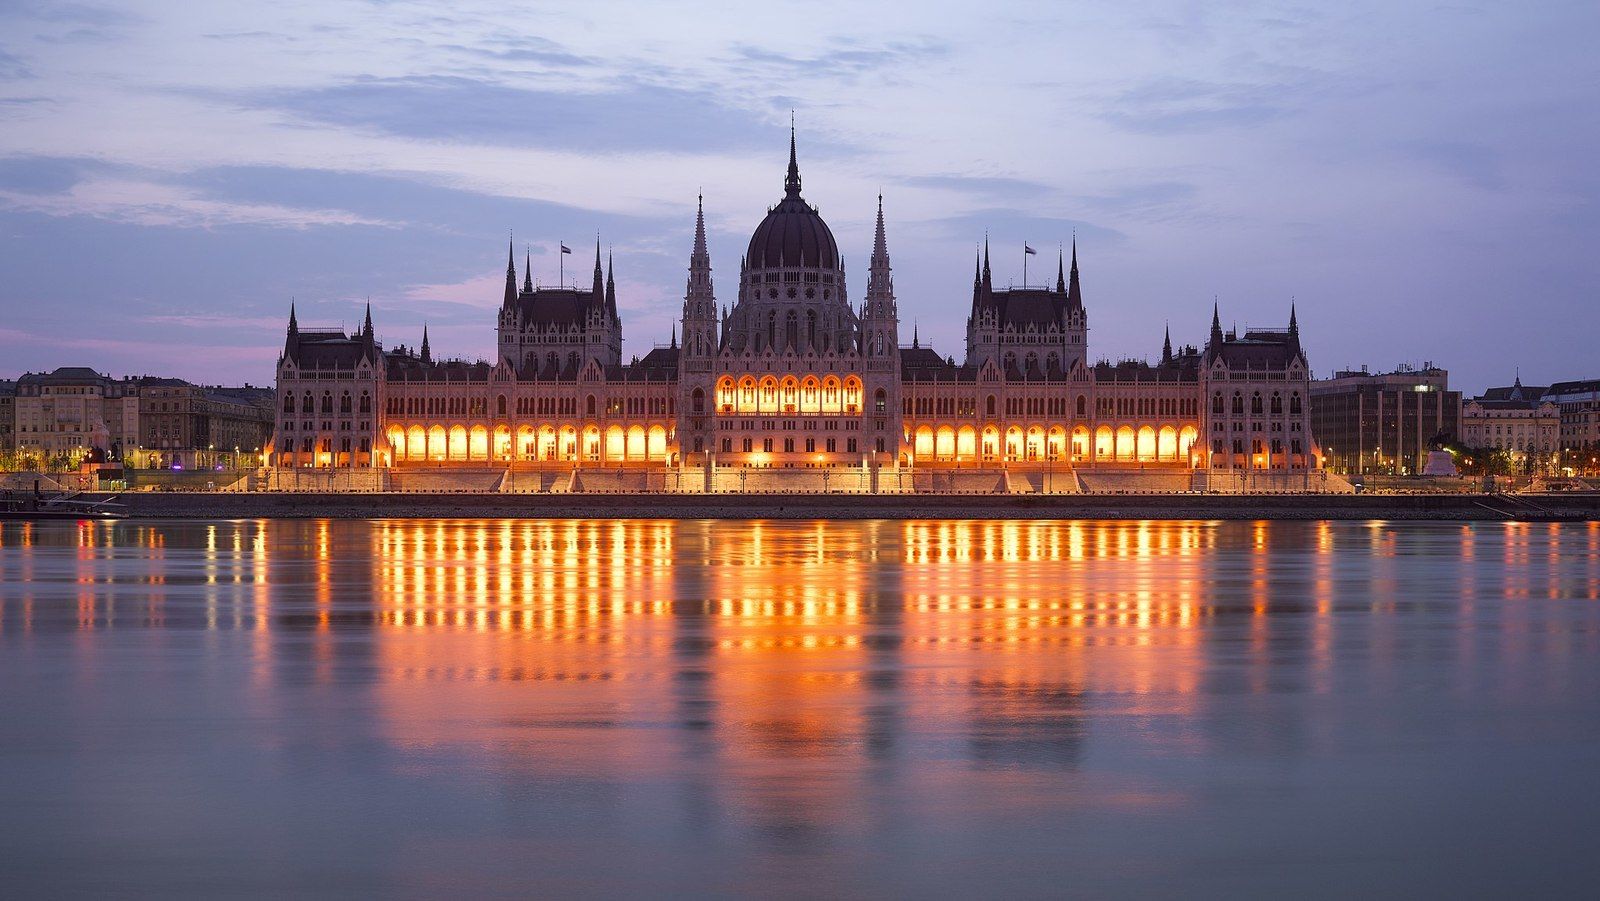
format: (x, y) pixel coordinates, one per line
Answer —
(772, 327)
(844, 341)
(500, 405)
(366, 402)
(344, 403)
(1216, 404)
(588, 405)
(697, 401)
(1277, 403)
(989, 405)
(1083, 405)
(1255, 403)
(1031, 362)
(880, 401)
(791, 329)
(1294, 403)
(327, 402)
(307, 405)
(811, 329)
(1238, 404)
(288, 403)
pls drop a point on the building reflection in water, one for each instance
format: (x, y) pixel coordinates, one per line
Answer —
(779, 672)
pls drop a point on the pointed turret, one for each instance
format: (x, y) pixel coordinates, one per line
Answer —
(977, 269)
(291, 337)
(791, 182)
(1061, 280)
(880, 286)
(366, 324)
(598, 291)
(1166, 346)
(611, 288)
(1215, 340)
(699, 300)
(427, 355)
(527, 272)
(1074, 292)
(511, 274)
(916, 340)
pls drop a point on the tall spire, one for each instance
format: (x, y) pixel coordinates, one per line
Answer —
(1216, 326)
(988, 279)
(791, 183)
(699, 252)
(611, 288)
(527, 272)
(1074, 292)
(1294, 326)
(598, 291)
(366, 325)
(977, 268)
(1061, 282)
(511, 273)
(427, 355)
(1166, 345)
(916, 340)
(292, 337)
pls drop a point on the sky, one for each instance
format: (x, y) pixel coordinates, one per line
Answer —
(1418, 179)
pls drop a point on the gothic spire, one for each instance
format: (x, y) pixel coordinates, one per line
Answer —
(366, 326)
(611, 288)
(791, 183)
(700, 252)
(427, 355)
(527, 272)
(598, 291)
(977, 269)
(1216, 326)
(1061, 282)
(511, 273)
(988, 279)
(1166, 345)
(294, 327)
(1074, 293)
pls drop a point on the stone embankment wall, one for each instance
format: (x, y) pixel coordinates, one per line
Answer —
(856, 506)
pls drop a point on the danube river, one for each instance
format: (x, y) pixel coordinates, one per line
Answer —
(829, 709)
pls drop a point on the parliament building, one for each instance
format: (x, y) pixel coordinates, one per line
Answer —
(787, 383)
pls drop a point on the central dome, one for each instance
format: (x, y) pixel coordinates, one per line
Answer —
(793, 235)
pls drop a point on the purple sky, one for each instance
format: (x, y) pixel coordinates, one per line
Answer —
(1421, 179)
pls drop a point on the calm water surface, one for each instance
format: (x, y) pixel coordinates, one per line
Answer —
(545, 708)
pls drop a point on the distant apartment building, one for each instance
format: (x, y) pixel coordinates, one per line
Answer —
(1384, 422)
(177, 415)
(74, 409)
(1516, 419)
(1579, 406)
(8, 415)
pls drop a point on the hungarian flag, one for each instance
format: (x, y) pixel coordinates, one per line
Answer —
(566, 249)
(1027, 249)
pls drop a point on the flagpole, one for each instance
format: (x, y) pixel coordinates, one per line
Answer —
(1024, 265)
(561, 267)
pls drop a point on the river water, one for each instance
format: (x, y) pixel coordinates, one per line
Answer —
(841, 709)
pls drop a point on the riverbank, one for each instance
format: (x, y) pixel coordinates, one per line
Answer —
(1463, 507)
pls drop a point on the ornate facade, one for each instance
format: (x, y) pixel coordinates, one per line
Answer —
(793, 385)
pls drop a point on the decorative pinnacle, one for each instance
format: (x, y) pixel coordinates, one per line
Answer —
(791, 183)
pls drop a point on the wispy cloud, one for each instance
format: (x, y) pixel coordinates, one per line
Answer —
(156, 204)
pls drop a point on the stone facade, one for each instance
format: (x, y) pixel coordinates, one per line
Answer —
(793, 382)
(1514, 419)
